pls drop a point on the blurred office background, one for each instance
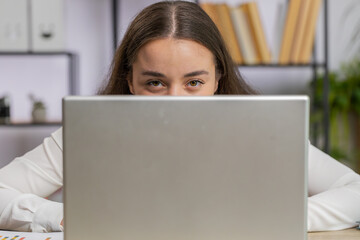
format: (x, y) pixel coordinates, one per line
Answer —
(85, 30)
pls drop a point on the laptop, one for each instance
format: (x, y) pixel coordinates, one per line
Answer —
(185, 168)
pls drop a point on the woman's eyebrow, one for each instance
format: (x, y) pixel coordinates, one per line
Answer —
(153, 74)
(196, 73)
(157, 74)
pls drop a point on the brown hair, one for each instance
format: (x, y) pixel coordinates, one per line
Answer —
(179, 20)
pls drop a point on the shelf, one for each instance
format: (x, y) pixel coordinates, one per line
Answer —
(72, 64)
(36, 53)
(30, 124)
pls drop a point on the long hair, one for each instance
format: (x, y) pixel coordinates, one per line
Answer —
(179, 20)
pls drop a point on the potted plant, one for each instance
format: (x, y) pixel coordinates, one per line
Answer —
(38, 112)
(344, 102)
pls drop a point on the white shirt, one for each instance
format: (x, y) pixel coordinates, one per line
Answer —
(333, 203)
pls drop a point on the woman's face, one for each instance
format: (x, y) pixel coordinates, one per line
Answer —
(173, 67)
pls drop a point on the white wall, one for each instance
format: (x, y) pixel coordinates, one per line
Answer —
(88, 33)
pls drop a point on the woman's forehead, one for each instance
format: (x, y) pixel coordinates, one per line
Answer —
(169, 52)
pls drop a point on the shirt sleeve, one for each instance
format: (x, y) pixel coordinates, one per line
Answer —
(334, 193)
(26, 182)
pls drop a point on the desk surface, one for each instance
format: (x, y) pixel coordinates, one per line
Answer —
(348, 234)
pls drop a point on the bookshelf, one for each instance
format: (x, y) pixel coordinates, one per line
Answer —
(314, 66)
(72, 58)
(72, 79)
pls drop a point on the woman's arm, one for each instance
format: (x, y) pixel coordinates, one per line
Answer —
(334, 193)
(24, 184)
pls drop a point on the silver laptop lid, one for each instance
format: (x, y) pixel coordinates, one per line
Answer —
(221, 167)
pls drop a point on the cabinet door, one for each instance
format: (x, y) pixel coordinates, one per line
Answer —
(47, 25)
(14, 32)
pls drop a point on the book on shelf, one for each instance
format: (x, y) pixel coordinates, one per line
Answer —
(289, 30)
(257, 31)
(220, 14)
(296, 47)
(227, 30)
(242, 30)
(243, 34)
(210, 10)
(255, 49)
(309, 34)
(278, 30)
(299, 31)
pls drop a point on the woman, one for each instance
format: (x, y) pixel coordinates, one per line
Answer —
(170, 48)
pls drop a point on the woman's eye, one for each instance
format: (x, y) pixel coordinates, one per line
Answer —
(155, 83)
(194, 83)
